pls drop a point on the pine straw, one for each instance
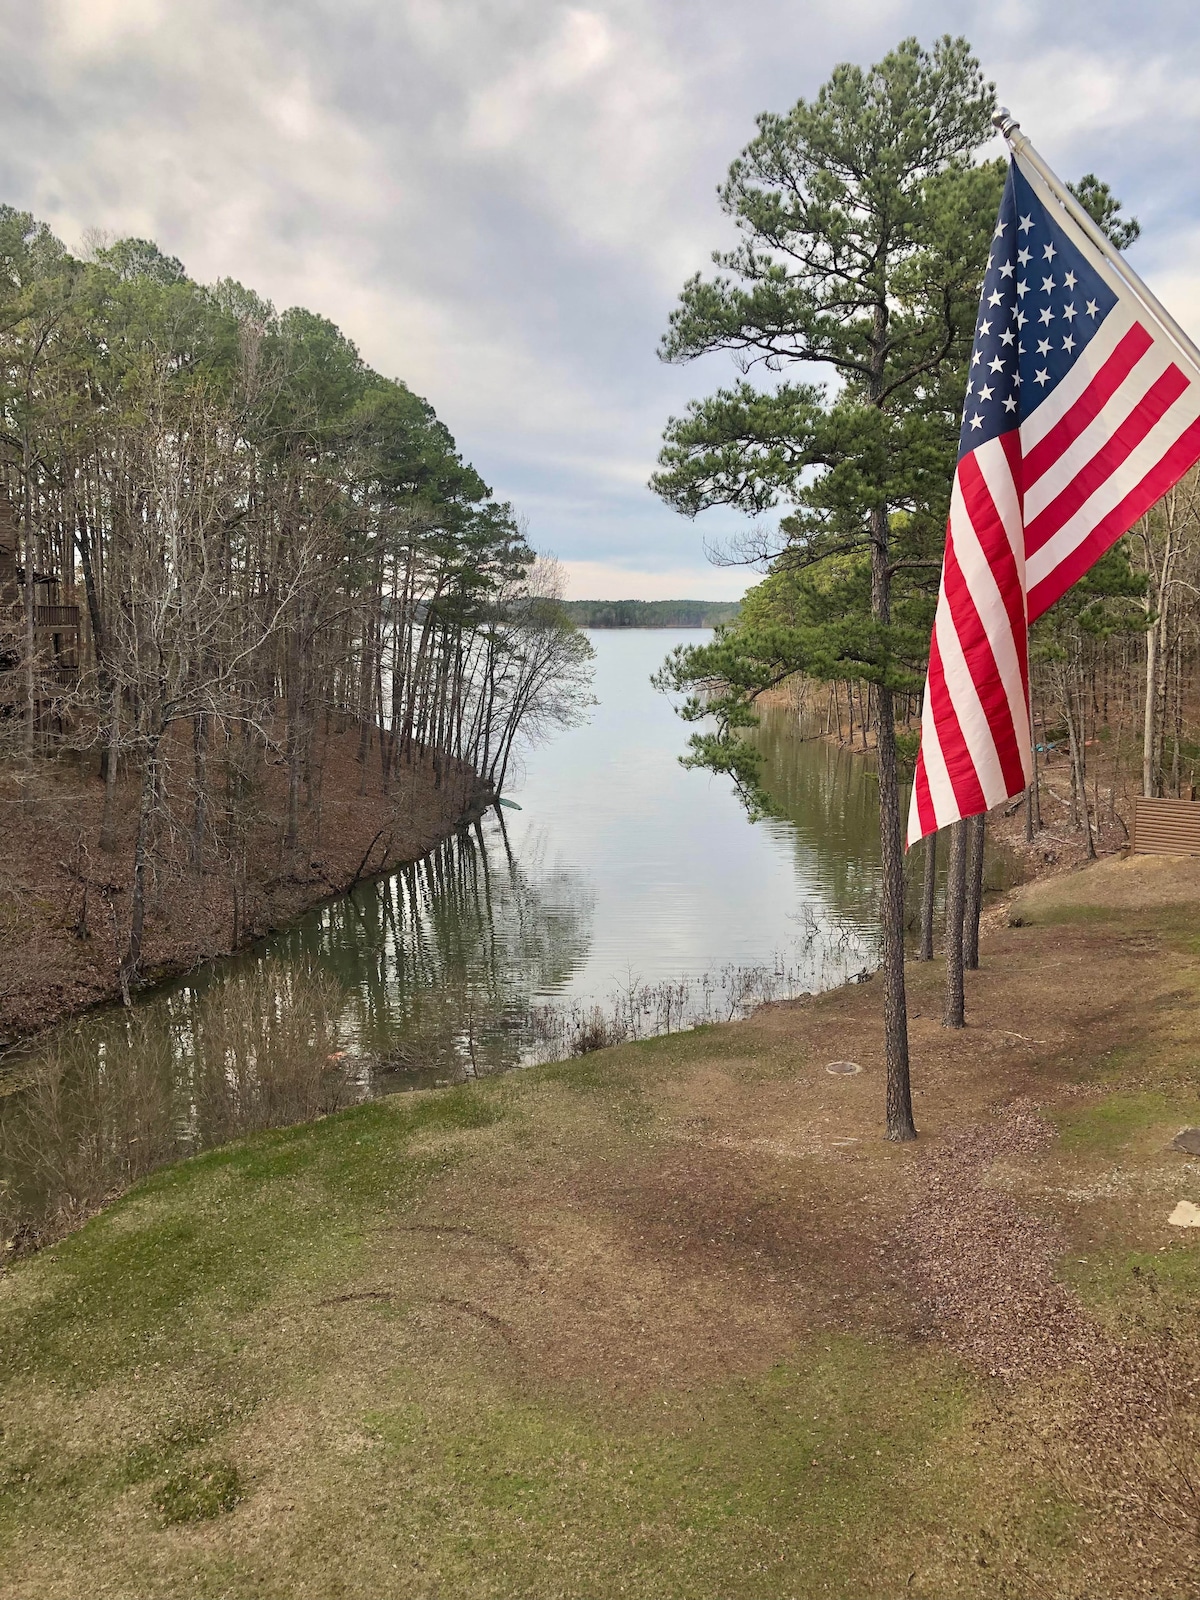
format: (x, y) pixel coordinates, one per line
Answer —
(982, 1266)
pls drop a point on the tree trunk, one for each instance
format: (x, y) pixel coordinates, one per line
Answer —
(29, 595)
(294, 743)
(108, 821)
(956, 883)
(1149, 786)
(976, 835)
(200, 783)
(928, 896)
(1079, 773)
(131, 966)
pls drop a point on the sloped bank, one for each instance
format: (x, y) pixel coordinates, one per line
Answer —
(64, 901)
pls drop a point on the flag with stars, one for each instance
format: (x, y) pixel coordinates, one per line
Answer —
(1082, 410)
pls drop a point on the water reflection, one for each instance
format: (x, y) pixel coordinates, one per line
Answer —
(104, 1100)
(826, 803)
(628, 897)
(440, 965)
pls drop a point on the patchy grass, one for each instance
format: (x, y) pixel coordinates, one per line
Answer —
(644, 1324)
(1121, 1122)
(199, 1492)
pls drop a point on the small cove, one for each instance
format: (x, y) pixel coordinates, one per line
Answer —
(626, 896)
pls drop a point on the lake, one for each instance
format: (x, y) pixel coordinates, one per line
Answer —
(627, 896)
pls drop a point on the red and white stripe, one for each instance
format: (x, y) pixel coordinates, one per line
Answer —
(1030, 512)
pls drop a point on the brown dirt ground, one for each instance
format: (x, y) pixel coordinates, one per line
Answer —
(766, 1189)
(50, 822)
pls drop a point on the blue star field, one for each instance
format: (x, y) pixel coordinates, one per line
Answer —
(1041, 305)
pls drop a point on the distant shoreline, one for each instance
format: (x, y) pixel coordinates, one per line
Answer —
(651, 613)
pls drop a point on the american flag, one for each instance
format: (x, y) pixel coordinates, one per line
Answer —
(1082, 410)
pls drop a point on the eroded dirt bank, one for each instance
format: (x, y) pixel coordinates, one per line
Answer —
(64, 902)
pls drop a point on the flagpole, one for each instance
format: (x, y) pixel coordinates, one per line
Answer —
(1019, 144)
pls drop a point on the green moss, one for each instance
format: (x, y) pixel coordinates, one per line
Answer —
(176, 1438)
(1106, 1128)
(1137, 1287)
(792, 1483)
(202, 1242)
(199, 1492)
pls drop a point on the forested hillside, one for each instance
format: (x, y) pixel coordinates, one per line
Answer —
(234, 558)
(650, 613)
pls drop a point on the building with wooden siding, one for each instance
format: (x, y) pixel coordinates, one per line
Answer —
(55, 626)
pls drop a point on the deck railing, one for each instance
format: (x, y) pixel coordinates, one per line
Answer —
(60, 617)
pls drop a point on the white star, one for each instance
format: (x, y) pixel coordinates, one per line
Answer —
(976, 358)
(1091, 308)
(986, 392)
(1049, 252)
(1069, 311)
(1047, 285)
(1043, 347)
(1022, 288)
(1024, 257)
(1025, 224)
(1020, 349)
(994, 298)
(988, 268)
(1007, 336)
(1010, 404)
(985, 327)
(1016, 380)
(1041, 377)
(1021, 319)
(1068, 344)
(977, 421)
(1000, 227)
(1006, 271)
(995, 364)
(1046, 315)
(1070, 280)
(970, 387)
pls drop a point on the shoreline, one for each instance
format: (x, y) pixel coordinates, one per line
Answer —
(1058, 845)
(63, 910)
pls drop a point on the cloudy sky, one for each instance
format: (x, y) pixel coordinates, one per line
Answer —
(498, 200)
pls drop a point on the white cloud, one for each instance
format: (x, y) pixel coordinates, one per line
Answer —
(1179, 287)
(1069, 95)
(507, 112)
(90, 29)
(498, 203)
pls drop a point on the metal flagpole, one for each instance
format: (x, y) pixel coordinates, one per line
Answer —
(1020, 145)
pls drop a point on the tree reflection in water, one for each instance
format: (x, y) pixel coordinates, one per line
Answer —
(466, 963)
(442, 964)
(829, 808)
(424, 977)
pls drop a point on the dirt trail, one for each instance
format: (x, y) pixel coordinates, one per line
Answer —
(982, 1265)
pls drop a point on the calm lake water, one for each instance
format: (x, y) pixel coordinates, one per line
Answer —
(626, 896)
